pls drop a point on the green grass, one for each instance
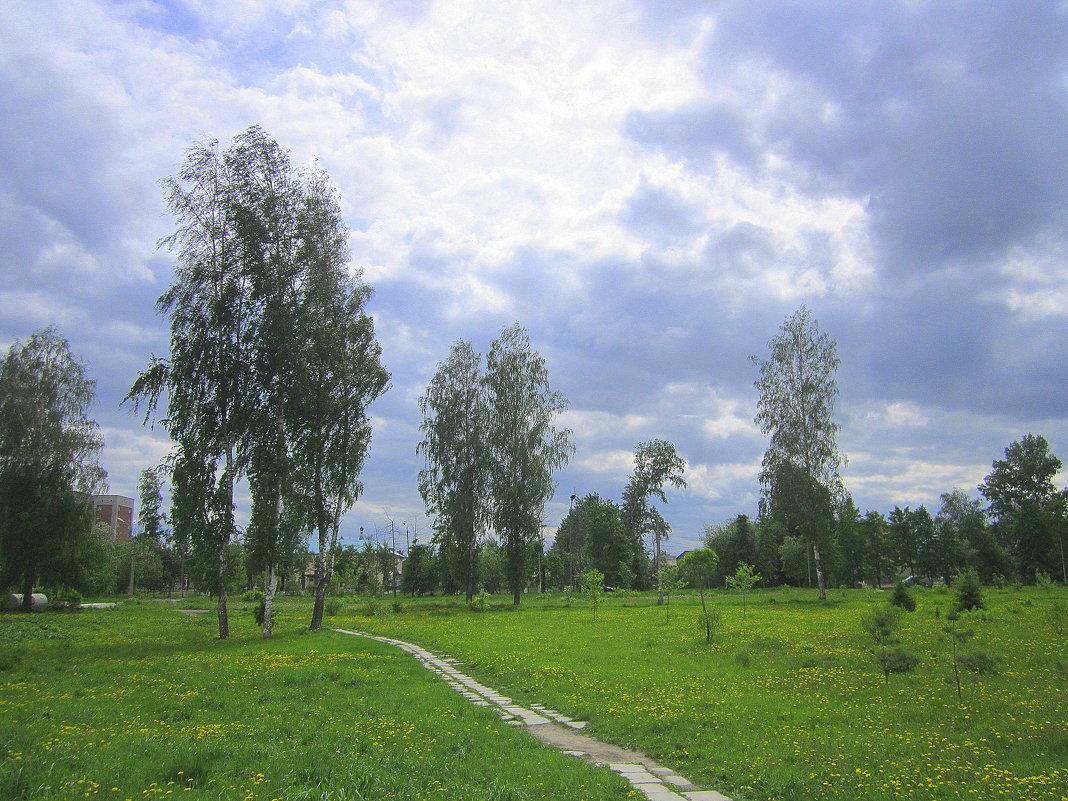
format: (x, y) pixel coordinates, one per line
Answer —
(787, 702)
(140, 702)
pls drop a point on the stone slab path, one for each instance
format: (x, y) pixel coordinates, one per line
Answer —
(655, 782)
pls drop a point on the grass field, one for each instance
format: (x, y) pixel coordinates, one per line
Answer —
(787, 702)
(141, 702)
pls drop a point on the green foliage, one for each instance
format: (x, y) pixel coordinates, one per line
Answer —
(895, 660)
(656, 463)
(902, 599)
(667, 582)
(455, 482)
(49, 451)
(797, 392)
(699, 567)
(252, 595)
(1043, 580)
(743, 580)
(480, 602)
(969, 593)
(63, 598)
(593, 583)
(881, 623)
(526, 447)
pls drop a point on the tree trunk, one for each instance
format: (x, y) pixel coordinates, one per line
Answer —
(819, 572)
(656, 569)
(268, 601)
(224, 620)
(320, 588)
(515, 596)
(133, 558)
(27, 590)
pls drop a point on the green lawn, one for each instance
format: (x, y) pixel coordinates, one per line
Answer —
(141, 702)
(787, 702)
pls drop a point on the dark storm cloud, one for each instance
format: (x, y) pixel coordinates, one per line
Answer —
(947, 119)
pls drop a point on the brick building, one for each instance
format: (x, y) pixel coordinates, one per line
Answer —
(116, 512)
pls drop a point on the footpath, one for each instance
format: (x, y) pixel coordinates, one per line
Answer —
(657, 783)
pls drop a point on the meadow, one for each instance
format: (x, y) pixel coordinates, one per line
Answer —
(140, 702)
(786, 703)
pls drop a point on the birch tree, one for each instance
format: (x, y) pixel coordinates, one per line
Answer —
(797, 392)
(525, 448)
(207, 378)
(455, 482)
(337, 375)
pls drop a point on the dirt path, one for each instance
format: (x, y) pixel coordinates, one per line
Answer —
(656, 782)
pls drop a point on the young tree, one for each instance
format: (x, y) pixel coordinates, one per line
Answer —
(743, 580)
(593, 582)
(667, 581)
(455, 482)
(699, 567)
(797, 392)
(655, 463)
(525, 447)
(49, 451)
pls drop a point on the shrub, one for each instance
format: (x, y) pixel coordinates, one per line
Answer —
(980, 663)
(332, 607)
(902, 599)
(1043, 580)
(396, 606)
(479, 602)
(64, 598)
(969, 595)
(260, 612)
(881, 623)
(252, 595)
(895, 660)
(372, 606)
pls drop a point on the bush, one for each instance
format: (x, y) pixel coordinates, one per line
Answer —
(969, 594)
(1043, 580)
(252, 595)
(332, 607)
(902, 599)
(64, 599)
(895, 660)
(372, 606)
(260, 612)
(479, 602)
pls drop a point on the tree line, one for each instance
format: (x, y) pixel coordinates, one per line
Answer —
(273, 361)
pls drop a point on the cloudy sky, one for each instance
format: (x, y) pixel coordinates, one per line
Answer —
(649, 187)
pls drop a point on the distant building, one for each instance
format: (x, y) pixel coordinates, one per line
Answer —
(116, 512)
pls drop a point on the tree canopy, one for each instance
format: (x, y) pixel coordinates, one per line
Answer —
(49, 463)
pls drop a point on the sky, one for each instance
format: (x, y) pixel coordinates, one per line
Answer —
(650, 187)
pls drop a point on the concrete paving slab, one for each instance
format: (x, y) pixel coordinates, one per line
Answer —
(658, 792)
(678, 781)
(705, 795)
